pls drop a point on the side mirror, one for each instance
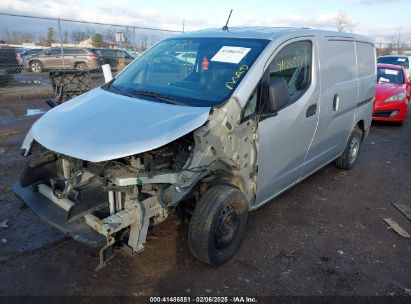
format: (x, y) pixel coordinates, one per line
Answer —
(277, 94)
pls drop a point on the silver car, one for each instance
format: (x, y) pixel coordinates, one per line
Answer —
(255, 112)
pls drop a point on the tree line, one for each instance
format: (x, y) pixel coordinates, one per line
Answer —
(130, 39)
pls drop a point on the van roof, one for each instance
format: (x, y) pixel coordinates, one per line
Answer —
(270, 33)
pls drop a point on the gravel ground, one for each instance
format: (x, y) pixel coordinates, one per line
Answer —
(324, 236)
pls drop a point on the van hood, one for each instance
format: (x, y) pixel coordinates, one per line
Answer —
(100, 125)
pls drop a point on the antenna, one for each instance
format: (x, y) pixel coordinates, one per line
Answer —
(225, 27)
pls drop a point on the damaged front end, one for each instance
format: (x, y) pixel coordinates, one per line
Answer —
(114, 202)
(118, 199)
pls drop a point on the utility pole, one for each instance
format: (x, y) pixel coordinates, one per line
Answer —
(61, 44)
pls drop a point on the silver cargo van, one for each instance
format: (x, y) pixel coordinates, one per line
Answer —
(257, 111)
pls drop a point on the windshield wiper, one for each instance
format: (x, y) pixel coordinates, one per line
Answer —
(112, 88)
(158, 96)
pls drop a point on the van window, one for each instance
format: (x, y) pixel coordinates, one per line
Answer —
(365, 59)
(294, 64)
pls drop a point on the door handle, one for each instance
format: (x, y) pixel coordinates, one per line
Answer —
(311, 111)
(336, 102)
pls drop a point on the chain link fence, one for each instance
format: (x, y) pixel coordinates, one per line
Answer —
(29, 57)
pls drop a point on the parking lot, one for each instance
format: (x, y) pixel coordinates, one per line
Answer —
(325, 236)
(28, 85)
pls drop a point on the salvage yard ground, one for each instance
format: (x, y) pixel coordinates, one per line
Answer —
(325, 236)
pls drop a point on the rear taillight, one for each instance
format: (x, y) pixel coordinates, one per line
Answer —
(18, 58)
(94, 56)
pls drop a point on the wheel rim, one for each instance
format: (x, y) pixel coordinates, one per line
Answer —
(35, 67)
(80, 67)
(354, 149)
(227, 227)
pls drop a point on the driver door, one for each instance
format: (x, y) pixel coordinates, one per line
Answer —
(285, 138)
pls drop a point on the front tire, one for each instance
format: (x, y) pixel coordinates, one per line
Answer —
(350, 155)
(218, 225)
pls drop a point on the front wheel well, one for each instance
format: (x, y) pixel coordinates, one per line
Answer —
(80, 62)
(361, 126)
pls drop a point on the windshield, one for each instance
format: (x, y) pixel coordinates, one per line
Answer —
(385, 75)
(401, 61)
(196, 72)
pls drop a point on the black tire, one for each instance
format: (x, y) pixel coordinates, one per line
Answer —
(218, 225)
(349, 157)
(36, 66)
(81, 66)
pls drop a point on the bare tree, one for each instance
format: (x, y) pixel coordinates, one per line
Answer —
(78, 36)
(50, 36)
(344, 23)
(17, 37)
(397, 42)
(110, 35)
(143, 42)
(65, 36)
(90, 32)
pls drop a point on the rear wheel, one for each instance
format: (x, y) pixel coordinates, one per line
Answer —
(36, 66)
(350, 155)
(80, 66)
(218, 225)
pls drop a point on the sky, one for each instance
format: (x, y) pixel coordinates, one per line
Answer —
(380, 19)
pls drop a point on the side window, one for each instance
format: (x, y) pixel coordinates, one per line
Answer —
(69, 51)
(294, 64)
(80, 52)
(55, 52)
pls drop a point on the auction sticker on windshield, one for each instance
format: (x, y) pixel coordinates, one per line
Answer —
(231, 54)
(391, 72)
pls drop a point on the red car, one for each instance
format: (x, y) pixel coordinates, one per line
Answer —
(392, 95)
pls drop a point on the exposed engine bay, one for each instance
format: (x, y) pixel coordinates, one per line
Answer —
(120, 199)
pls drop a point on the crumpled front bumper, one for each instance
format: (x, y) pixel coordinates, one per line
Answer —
(79, 230)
